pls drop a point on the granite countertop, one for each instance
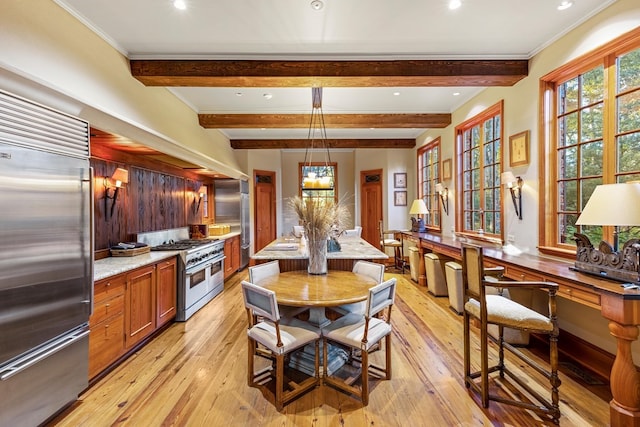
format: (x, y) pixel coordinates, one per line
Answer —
(289, 248)
(112, 266)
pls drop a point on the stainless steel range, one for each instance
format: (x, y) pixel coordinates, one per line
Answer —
(201, 271)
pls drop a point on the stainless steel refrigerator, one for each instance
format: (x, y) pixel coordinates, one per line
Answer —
(232, 207)
(46, 265)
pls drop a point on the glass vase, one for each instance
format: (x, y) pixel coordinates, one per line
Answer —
(317, 256)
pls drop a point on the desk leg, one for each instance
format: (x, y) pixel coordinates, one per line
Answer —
(422, 275)
(625, 381)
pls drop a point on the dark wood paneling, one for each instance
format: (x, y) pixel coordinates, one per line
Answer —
(257, 73)
(157, 197)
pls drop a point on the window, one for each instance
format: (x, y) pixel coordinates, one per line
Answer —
(479, 154)
(428, 177)
(325, 184)
(592, 137)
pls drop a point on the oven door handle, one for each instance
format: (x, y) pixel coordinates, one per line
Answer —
(198, 269)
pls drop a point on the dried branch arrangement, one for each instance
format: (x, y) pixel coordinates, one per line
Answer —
(319, 217)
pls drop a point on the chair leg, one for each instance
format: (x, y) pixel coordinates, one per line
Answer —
(251, 351)
(466, 349)
(317, 362)
(555, 380)
(501, 350)
(365, 378)
(484, 362)
(279, 382)
(387, 342)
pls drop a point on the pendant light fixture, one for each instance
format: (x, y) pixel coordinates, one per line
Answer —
(318, 175)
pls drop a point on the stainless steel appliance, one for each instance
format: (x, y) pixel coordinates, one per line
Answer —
(201, 267)
(46, 260)
(232, 207)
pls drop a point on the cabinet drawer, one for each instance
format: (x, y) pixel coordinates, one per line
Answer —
(591, 299)
(104, 309)
(108, 288)
(522, 275)
(106, 344)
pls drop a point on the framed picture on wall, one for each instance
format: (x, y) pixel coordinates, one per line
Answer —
(400, 180)
(446, 169)
(400, 198)
(519, 149)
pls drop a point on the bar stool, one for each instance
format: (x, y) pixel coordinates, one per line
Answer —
(398, 252)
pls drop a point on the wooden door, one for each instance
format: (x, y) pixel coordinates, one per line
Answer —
(264, 208)
(371, 205)
(167, 288)
(140, 304)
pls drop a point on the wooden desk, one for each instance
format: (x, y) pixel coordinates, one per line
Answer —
(300, 289)
(621, 307)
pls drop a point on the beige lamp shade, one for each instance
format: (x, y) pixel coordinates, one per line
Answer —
(120, 176)
(612, 204)
(418, 208)
(508, 179)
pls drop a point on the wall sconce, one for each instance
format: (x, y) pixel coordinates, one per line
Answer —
(119, 177)
(444, 196)
(201, 192)
(514, 184)
(418, 208)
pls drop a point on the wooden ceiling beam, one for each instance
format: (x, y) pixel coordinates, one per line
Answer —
(343, 121)
(260, 73)
(255, 144)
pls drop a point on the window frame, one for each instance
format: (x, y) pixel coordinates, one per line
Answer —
(496, 110)
(433, 222)
(320, 192)
(606, 56)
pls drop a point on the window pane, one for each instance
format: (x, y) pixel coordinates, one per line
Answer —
(592, 86)
(496, 198)
(477, 224)
(591, 123)
(489, 223)
(629, 71)
(593, 232)
(498, 229)
(567, 226)
(475, 158)
(568, 196)
(467, 200)
(591, 159)
(475, 136)
(488, 130)
(488, 153)
(568, 130)
(475, 177)
(629, 112)
(467, 221)
(467, 180)
(488, 200)
(567, 163)
(496, 148)
(568, 96)
(476, 200)
(631, 177)
(588, 185)
(488, 177)
(496, 175)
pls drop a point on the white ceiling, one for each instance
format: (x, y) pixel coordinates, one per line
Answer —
(342, 29)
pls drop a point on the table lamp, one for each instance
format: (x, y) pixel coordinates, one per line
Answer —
(612, 204)
(418, 208)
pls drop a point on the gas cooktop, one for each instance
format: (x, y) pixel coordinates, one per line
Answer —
(182, 245)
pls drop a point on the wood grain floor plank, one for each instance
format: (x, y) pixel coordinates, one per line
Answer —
(194, 374)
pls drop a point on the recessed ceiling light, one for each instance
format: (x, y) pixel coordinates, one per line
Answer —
(317, 5)
(454, 4)
(565, 4)
(396, 93)
(238, 93)
(456, 93)
(267, 96)
(179, 4)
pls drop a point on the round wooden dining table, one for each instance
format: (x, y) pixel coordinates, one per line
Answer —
(301, 289)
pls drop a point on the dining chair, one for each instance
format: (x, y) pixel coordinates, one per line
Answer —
(369, 269)
(268, 269)
(280, 337)
(500, 311)
(362, 332)
(386, 242)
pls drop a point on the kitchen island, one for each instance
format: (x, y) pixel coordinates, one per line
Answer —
(294, 256)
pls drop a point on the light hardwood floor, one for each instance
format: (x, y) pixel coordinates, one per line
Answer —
(194, 374)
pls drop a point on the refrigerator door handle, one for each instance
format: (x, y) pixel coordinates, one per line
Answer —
(48, 350)
(91, 239)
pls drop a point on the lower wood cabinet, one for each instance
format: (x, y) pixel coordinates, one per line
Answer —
(127, 309)
(232, 254)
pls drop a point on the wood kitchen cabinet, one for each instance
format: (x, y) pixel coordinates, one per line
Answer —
(140, 305)
(166, 274)
(232, 254)
(106, 339)
(128, 308)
